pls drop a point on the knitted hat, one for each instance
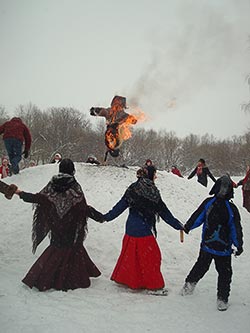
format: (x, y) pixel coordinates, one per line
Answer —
(67, 166)
(223, 188)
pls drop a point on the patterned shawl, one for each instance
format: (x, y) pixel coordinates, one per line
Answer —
(145, 197)
(64, 198)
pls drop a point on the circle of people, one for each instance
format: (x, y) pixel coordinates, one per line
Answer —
(61, 211)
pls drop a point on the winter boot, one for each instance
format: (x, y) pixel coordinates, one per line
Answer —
(222, 305)
(7, 190)
(188, 288)
(158, 292)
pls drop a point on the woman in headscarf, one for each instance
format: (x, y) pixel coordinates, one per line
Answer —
(138, 266)
(61, 212)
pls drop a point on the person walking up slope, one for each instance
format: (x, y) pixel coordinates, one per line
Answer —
(221, 230)
(15, 133)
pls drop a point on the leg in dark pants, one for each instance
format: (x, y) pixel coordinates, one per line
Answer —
(224, 269)
(200, 267)
(14, 150)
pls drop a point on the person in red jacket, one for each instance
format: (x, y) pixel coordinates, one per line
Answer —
(4, 168)
(15, 133)
(176, 171)
(245, 183)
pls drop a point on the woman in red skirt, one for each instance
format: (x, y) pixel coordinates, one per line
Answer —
(61, 212)
(138, 265)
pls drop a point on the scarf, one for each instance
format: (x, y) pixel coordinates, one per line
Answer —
(145, 197)
(199, 169)
(64, 197)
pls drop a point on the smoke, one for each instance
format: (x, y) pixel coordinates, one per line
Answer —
(200, 44)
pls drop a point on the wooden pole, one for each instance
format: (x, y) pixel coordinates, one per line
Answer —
(181, 236)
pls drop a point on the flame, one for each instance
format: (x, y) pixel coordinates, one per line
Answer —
(114, 136)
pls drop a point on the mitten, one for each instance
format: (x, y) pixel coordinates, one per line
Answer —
(185, 229)
(10, 191)
(26, 154)
(95, 215)
(239, 251)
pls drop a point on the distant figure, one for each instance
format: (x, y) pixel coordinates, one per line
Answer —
(245, 183)
(148, 162)
(176, 171)
(202, 172)
(15, 132)
(92, 160)
(57, 158)
(138, 266)
(221, 229)
(32, 163)
(4, 168)
(61, 212)
(151, 169)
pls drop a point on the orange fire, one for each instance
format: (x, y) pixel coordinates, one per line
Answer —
(116, 135)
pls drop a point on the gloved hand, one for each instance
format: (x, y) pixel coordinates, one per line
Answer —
(239, 251)
(26, 154)
(95, 214)
(185, 229)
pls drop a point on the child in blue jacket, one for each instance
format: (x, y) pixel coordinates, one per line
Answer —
(221, 230)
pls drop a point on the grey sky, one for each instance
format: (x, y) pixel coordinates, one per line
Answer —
(184, 63)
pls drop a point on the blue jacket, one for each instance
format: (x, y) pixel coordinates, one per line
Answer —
(137, 225)
(221, 226)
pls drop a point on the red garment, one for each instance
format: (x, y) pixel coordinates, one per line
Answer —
(177, 172)
(15, 128)
(138, 265)
(199, 168)
(4, 171)
(62, 269)
(246, 193)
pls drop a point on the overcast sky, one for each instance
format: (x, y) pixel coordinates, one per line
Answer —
(183, 62)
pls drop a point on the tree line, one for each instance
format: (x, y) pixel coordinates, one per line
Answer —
(68, 131)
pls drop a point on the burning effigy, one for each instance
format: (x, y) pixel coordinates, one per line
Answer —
(118, 124)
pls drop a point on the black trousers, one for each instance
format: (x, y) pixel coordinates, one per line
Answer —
(223, 267)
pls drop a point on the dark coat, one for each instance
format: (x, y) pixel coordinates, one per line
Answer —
(221, 226)
(202, 178)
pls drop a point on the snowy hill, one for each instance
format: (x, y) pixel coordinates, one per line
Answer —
(106, 307)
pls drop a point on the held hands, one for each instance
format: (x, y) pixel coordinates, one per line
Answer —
(95, 215)
(18, 191)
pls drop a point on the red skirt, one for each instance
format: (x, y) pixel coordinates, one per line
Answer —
(138, 265)
(62, 269)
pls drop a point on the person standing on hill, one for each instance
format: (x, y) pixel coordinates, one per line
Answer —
(221, 230)
(61, 212)
(202, 172)
(245, 183)
(15, 133)
(138, 266)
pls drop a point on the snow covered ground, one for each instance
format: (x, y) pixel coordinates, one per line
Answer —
(106, 307)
